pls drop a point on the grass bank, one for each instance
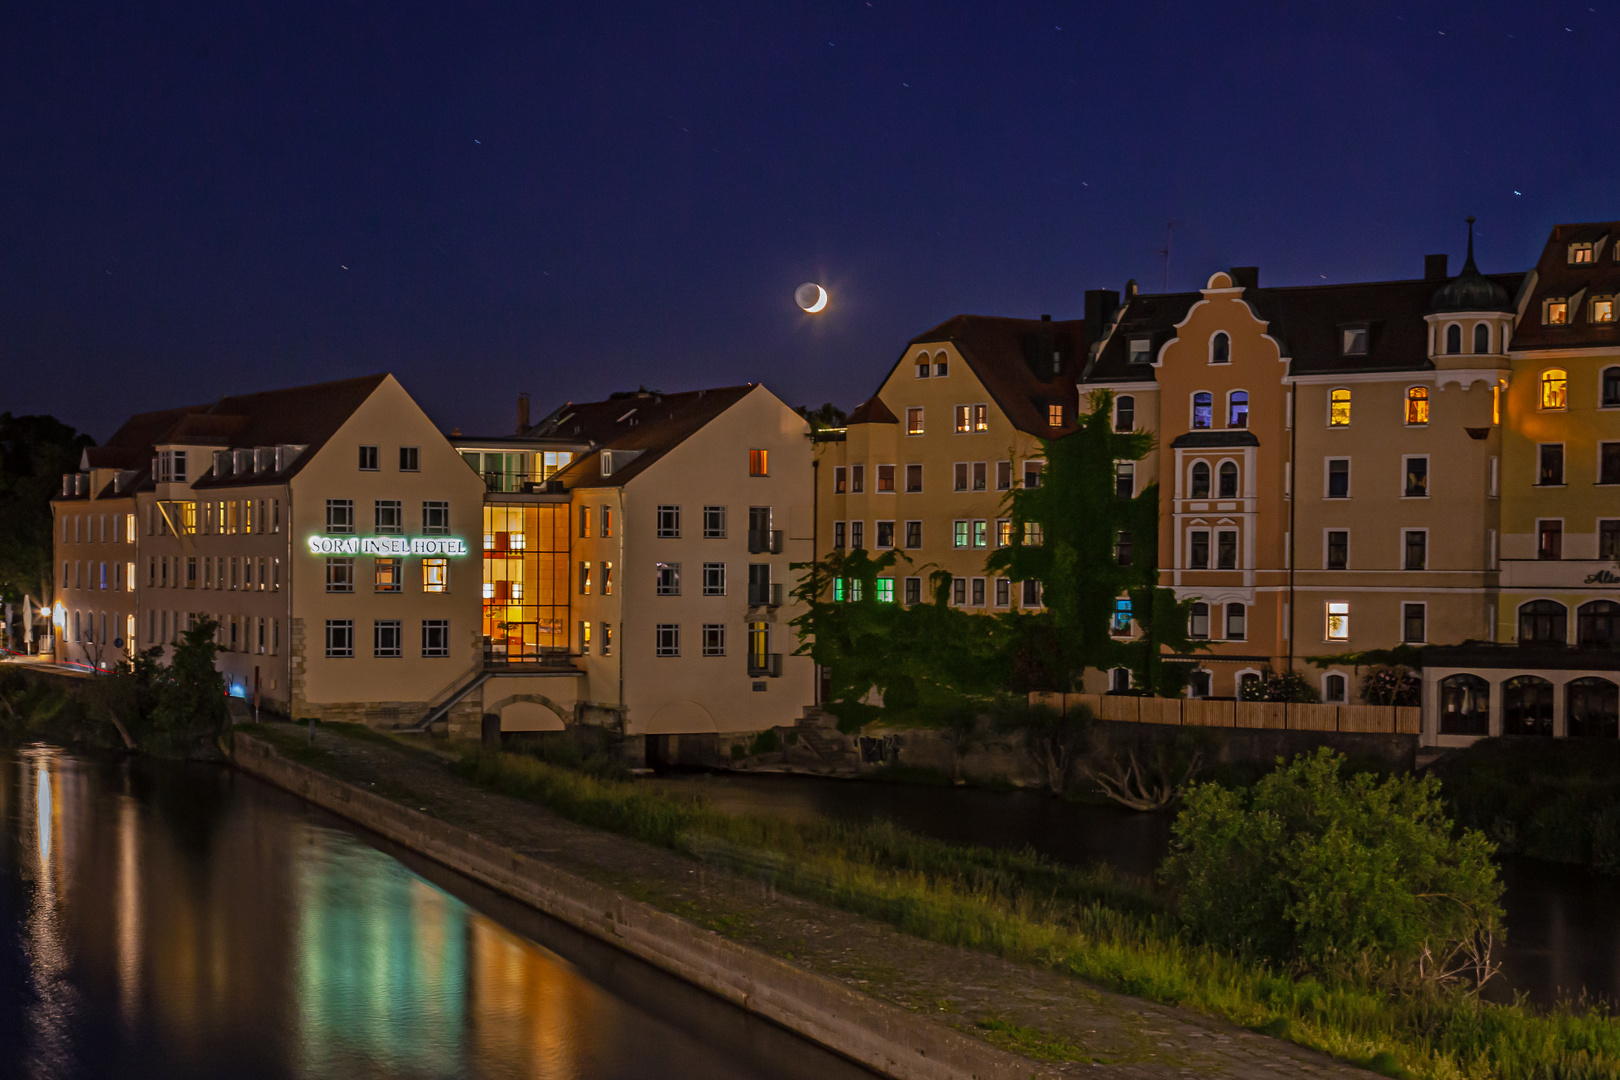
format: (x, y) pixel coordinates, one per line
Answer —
(1553, 799)
(1092, 925)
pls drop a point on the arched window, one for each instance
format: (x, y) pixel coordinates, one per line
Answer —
(1203, 409)
(1544, 621)
(1125, 413)
(1453, 339)
(924, 369)
(1597, 625)
(1465, 705)
(942, 366)
(1339, 408)
(1554, 389)
(1198, 683)
(1198, 621)
(1592, 708)
(1237, 409)
(1482, 338)
(1236, 622)
(1119, 680)
(1228, 474)
(1417, 405)
(1527, 706)
(1333, 688)
(1220, 349)
(1249, 686)
(1611, 387)
(1200, 480)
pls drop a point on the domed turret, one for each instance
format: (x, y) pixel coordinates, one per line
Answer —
(1470, 290)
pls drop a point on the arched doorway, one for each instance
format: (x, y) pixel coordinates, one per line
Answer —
(1465, 705)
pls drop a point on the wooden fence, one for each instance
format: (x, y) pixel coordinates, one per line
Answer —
(1207, 712)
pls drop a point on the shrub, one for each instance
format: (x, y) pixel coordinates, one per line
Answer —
(1392, 684)
(1279, 686)
(766, 742)
(1345, 876)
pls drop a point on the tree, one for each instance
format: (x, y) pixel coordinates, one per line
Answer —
(34, 453)
(828, 416)
(1338, 875)
(189, 693)
(920, 660)
(1089, 548)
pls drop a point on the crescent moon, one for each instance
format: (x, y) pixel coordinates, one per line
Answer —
(821, 298)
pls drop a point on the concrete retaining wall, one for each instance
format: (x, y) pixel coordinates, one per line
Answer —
(880, 1036)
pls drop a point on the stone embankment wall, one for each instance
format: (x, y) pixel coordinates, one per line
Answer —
(815, 745)
(880, 1036)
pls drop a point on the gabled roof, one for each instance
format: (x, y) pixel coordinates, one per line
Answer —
(1306, 320)
(648, 422)
(872, 411)
(303, 416)
(1013, 358)
(1576, 283)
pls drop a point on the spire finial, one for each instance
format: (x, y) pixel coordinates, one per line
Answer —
(1468, 263)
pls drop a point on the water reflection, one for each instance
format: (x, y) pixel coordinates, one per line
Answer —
(267, 941)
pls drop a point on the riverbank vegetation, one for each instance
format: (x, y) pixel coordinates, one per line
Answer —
(1553, 799)
(1359, 1002)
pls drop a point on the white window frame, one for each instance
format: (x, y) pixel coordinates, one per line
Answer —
(877, 534)
(1400, 622)
(1327, 618)
(961, 534)
(1212, 337)
(1428, 476)
(1326, 675)
(1349, 478)
(1400, 551)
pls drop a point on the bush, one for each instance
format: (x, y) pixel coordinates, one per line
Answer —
(766, 742)
(1337, 875)
(1279, 686)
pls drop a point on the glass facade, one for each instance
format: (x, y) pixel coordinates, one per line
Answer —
(526, 581)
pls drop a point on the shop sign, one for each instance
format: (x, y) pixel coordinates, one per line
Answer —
(387, 545)
(1603, 577)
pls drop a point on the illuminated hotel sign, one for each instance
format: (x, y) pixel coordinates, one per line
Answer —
(387, 545)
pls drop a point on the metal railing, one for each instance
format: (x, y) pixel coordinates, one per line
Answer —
(768, 594)
(764, 542)
(771, 669)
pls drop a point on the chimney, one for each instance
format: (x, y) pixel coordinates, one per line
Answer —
(1046, 318)
(1100, 305)
(523, 412)
(1434, 268)
(1246, 277)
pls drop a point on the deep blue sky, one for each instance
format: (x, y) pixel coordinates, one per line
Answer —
(573, 199)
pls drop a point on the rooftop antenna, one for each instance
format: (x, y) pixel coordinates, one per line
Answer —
(1165, 251)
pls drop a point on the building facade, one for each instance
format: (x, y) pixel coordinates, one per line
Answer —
(635, 565)
(925, 465)
(327, 529)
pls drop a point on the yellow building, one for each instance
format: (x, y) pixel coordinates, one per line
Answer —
(1557, 620)
(327, 529)
(925, 465)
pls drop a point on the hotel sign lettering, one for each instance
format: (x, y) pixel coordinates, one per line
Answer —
(1603, 577)
(387, 545)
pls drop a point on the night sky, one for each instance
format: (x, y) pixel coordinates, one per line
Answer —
(209, 198)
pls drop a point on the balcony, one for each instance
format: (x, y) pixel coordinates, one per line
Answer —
(526, 482)
(771, 668)
(767, 594)
(764, 542)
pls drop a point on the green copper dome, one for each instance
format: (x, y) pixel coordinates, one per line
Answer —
(1470, 290)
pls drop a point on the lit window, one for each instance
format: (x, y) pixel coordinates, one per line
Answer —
(1203, 414)
(1554, 389)
(389, 574)
(1004, 532)
(1555, 311)
(1032, 534)
(964, 418)
(584, 637)
(1338, 620)
(914, 421)
(758, 463)
(1054, 416)
(1354, 341)
(885, 590)
(981, 418)
(584, 577)
(1580, 253)
(981, 533)
(1122, 616)
(885, 477)
(436, 576)
(1237, 409)
(1602, 309)
(959, 534)
(1417, 405)
(1339, 408)
(607, 579)
(489, 590)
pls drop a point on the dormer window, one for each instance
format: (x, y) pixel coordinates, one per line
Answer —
(170, 467)
(1353, 341)
(924, 368)
(1142, 351)
(1602, 309)
(1555, 311)
(1580, 254)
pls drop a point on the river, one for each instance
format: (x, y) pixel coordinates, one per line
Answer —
(179, 920)
(1563, 923)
